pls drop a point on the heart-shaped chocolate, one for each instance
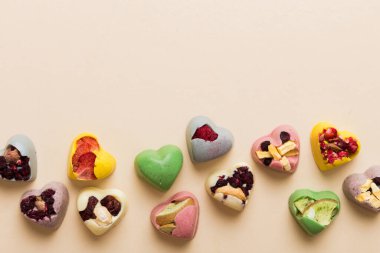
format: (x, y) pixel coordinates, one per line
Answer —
(18, 161)
(47, 206)
(314, 211)
(160, 168)
(177, 216)
(88, 160)
(100, 209)
(279, 150)
(232, 186)
(332, 148)
(364, 188)
(206, 141)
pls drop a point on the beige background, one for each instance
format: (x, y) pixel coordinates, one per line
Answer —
(135, 72)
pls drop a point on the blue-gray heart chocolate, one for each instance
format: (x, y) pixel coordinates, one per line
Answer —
(18, 160)
(206, 141)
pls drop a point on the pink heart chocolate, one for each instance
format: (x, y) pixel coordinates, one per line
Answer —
(47, 206)
(279, 150)
(177, 216)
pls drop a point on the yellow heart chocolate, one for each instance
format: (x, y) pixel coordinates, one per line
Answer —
(88, 160)
(332, 148)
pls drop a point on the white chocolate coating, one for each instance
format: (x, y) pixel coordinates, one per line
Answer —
(102, 224)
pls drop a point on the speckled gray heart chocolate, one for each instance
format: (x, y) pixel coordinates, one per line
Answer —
(364, 188)
(18, 160)
(47, 206)
(206, 141)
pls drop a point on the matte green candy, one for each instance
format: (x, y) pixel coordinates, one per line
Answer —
(160, 168)
(310, 226)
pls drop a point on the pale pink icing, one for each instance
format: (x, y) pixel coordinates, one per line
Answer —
(186, 220)
(274, 138)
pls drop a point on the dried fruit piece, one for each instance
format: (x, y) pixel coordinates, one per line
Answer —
(322, 211)
(88, 213)
(206, 133)
(39, 207)
(286, 147)
(112, 204)
(284, 136)
(273, 151)
(84, 159)
(264, 145)
(167, 215)
(263, 154)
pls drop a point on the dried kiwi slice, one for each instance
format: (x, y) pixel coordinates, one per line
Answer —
(303, 203)
(322, 211)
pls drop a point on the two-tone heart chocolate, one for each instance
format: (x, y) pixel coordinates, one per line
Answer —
(160, 168)
(100, 209)
(18, 161)
(314, 211)
(279, 150)
(364, 188)
(47, 206)
(177, 216)
(88, 160)
(232, 186)
(332, 148)
(206, 141)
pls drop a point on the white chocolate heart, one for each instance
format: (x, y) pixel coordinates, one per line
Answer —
(100, 219)
(232, 191)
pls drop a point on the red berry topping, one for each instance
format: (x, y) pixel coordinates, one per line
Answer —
(206, 133)
(331, 133)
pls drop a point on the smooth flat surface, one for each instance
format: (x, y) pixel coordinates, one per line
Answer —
(135, 72)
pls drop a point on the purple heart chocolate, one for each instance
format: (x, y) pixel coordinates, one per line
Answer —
(364, 188)
(47, 206)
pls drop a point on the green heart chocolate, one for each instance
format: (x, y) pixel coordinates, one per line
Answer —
(314, 211)
(160, 168)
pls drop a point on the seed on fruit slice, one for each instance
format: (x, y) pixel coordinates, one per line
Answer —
(302, 204)
(169, 213)
(322, 211)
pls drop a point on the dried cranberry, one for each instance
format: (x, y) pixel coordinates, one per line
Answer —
(88, 213)
(28, 206)
(284, 136)
(242, 178)
(112, 204)
(206, 133)
(376, 180)
(264, 145)
(267, 161)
